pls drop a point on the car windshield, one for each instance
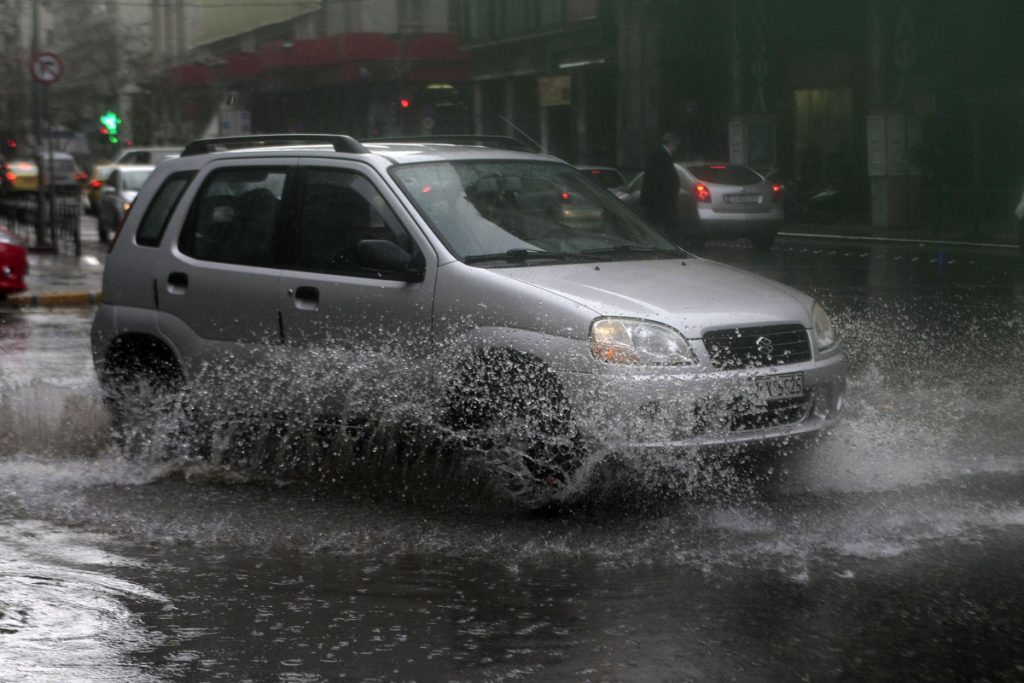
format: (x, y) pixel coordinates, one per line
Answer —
(508, 213)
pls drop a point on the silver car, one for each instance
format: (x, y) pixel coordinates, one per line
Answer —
(491, 291)
(723, 201)
(117, 193)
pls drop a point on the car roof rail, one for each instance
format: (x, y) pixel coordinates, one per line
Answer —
(496, 141)
(341, 143)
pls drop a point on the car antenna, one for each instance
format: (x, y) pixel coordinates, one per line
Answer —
(520, 131)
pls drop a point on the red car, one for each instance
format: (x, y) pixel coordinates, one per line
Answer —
(13, 263)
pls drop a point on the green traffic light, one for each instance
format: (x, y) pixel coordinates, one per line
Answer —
(110, 121)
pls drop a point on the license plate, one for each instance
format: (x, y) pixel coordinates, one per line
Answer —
(774, 387)
(743, 198)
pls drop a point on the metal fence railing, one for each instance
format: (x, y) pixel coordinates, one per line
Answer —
(61, 228)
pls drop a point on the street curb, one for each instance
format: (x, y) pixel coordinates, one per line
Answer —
(55, 300)
(898, 240)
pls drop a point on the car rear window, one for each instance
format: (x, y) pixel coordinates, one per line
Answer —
(725, 174)
(64, 167)
(160, 209)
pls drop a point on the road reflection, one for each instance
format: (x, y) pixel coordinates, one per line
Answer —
(62, 610)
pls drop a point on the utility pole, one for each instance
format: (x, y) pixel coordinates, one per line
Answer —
(42, 238)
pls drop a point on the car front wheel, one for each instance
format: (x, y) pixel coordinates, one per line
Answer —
(513, 409)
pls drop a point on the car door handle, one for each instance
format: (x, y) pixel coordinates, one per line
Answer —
(306, 298)
(177, 283)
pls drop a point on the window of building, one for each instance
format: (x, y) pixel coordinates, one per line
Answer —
(579, 10)
(551, 13)
(410, 16)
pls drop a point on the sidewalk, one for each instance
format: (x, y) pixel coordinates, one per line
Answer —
(58, 280)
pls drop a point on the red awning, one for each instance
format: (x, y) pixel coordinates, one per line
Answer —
(435, 47)
(361, 56)
(239, 65)
(328, 51)
(191, 75)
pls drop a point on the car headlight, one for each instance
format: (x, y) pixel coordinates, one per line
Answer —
(638, 342)
(825, 334)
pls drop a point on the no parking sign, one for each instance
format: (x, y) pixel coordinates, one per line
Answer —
(46, 68)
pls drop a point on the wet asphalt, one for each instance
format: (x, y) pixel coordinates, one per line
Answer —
(888, 551)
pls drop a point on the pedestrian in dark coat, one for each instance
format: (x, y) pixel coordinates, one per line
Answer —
(660, 190)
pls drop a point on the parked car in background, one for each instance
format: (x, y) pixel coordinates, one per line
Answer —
(22, 175)
(147, 155)
(116, 196)
(94, 186)
(13, 263)
(722, 201)
(606, 176)
(543, 328)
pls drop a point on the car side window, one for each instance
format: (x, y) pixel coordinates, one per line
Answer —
(339, 210)
(234, 216)
(154, 222)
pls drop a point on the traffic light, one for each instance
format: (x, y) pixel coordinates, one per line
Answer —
(109, 124)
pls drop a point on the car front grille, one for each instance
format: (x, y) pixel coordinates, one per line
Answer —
(754, 347)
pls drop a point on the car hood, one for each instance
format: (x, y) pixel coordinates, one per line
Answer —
(692, 295)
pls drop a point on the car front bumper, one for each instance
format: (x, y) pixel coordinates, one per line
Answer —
(647, 410)
(733, 225)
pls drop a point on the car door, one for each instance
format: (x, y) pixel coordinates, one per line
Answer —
(217, 285)
(355, 326)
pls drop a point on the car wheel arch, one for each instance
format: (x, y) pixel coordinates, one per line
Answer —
(141, 352)
(471, 386)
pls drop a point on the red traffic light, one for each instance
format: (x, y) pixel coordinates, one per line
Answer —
(404, 102)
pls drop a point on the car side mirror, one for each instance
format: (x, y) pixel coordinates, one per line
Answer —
(388, 257)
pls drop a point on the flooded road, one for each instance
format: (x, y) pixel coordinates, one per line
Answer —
(890, 551)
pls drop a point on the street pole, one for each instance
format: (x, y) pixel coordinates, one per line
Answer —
(37, 133)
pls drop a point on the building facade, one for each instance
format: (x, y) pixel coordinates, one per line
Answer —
(364, 67)
(547, 71)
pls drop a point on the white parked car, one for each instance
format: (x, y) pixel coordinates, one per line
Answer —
(117, 193)
(723, 201)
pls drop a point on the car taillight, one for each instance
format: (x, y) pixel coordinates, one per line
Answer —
(701, 193)
(10, 176)
(95, 184)
(566, 198)
(776, 193)
(81, 176)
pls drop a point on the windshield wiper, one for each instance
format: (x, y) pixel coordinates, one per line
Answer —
(522, 255)
(630, 249)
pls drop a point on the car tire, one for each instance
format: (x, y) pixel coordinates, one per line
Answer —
(509, 404)
(144, 389)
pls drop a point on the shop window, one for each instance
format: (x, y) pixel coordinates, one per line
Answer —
(579, 10)
(410, 16)
(824, 119)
